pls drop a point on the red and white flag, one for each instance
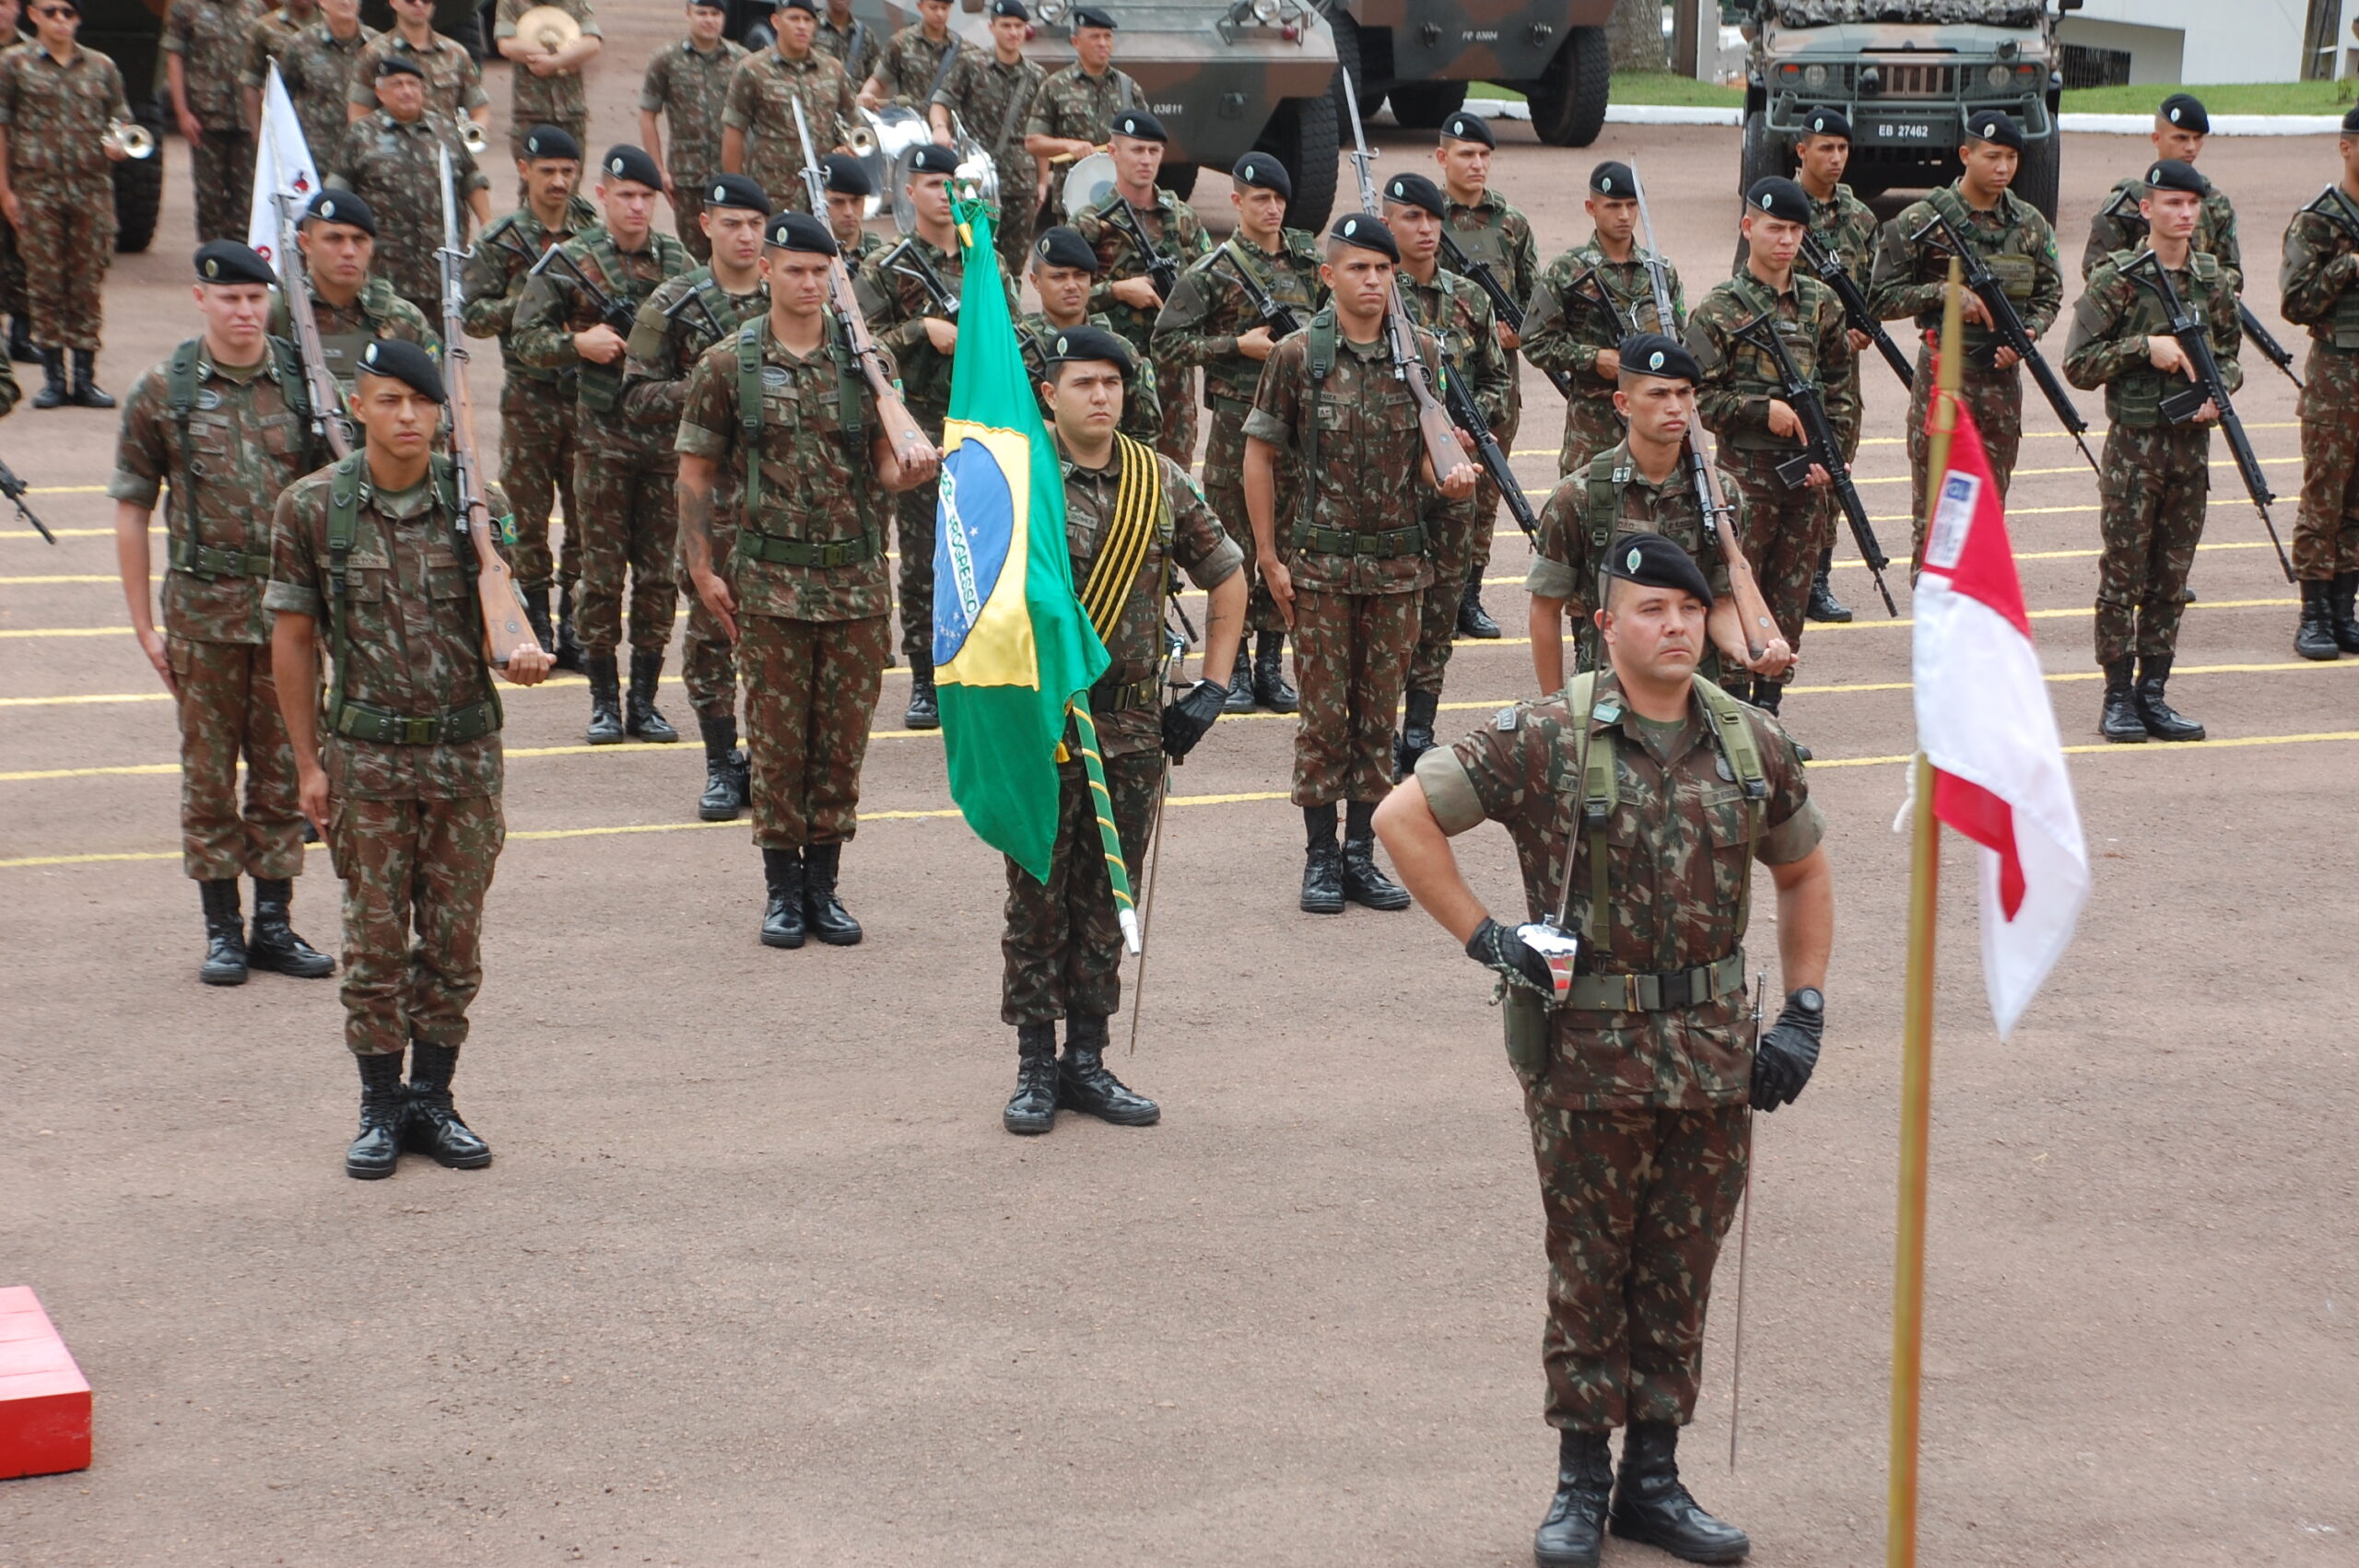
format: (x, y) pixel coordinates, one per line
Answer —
(1984, 721)
(282, 162)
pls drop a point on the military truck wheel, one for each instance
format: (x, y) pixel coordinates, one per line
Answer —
(1568, 101)
(1424, 106)
(1347, 59)
(1303, 135)
(1180, 178)
(1762, 156)
(2037, 177)
(140, 189)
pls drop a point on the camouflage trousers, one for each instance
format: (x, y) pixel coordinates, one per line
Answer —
(708, 660)
(687, 210)
(536, 458)
(1450, 530)
(630, 522)
(1784, 531)
(2326, 533)
(1176, 385)
(913, 537)
(229, 708)
(67, 242)
(221, 169)
(1590, 427)
(1637, 1201)
(12, 274)
(1225, 488)
(2154, 485)
(1063, 944)
(810, 693)
(422, 866)
(1995, 398)
(1351, 658)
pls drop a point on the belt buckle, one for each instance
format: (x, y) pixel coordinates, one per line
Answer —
(417, 731)
(1366, 544)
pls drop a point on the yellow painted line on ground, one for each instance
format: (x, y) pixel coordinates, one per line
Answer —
(2107, 748)
(66, 631)
(555, 682)
(66, 490)
(1842, 561)
(80, 577)
(1819, 628)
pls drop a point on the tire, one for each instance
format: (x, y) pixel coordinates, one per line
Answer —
(1347, 59)
(2039, 173)
(139, 189)
(1424, 106)
(1302, 134)
(1568, 99)
(1180, 178)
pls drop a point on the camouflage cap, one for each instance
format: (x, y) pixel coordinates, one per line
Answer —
(1613, 178)
(1994, 125)
(226, 261)
(1464, 128)
(1414, 190)
(1652, 561)
(405, 362)
(1779, 197)
(1656, 354)
(1064, 247)
(342, 206)
(1088, 343)
(1827, 122)
(1140, 126)
(2185, 111)
(799, 231)
(847, 176)
(2170, 174)
(736, 191)
(551, 142)
(1367, 233)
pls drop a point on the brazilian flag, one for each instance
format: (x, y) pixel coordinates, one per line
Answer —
(1014, 652)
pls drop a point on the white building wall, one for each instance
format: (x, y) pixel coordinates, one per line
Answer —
(2204, 41)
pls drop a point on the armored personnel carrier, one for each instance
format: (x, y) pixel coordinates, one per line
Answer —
(1419, 55)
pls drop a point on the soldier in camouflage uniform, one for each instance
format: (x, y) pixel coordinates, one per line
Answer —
(1910, 275)
(56, 191)
(989, 95)
(1064, 270)
(453, 81)
(1352, 586)
(1489, 232)
(2156, 472)
(1074, 105)
(2318, 280)
(267, 36)
(916, 62)
(850, 42)
(12, 260)
(350, 305)
(547, 82)
(578, 312)
(1458, 312)
(1125, 290)
(1785, 529)
(1641, 1076)
(1213, 321)
(538, 436)
(1062, 942)
(318, 63)
(224, 423)
(685, 85)
(203, 48)
(2180, 126)
(680, 320)
(390, 161)
(757, 131)
(401, 767)
(1846, 227)
(1586, 301)
(849, 187)
(803, 588)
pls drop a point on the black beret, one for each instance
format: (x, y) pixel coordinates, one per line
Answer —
(1653, 354)
(2170, 174)
(1779, 197)
(2185, 110)
(933, 157)
(1414, 191)
(1262, 169)
(342, 206)
(1010, 9)
(799, 231)
(624, 162)
(1367, 233)
(736, 191)
(2350, 122)
(1091, 17)
(399, 65)
(1611, 178)
(551, 142)
(847, 176)
(1995, 125)
(810, 6)
(1464, 128)
(1827, 122)
(1088, 343)
(1140, 126)
(1652, 561)
(1064, 247)
(226, 261)
(405, 362)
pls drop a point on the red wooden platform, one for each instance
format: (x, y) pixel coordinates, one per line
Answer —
(44, 1401)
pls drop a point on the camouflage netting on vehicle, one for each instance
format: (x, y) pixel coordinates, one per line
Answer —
(1827, 13)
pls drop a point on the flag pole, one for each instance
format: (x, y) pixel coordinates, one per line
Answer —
(1917, 1039)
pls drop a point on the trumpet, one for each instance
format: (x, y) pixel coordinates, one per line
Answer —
(472, 136)
(130, 138)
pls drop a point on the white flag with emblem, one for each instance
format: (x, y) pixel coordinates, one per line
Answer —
(282, 162)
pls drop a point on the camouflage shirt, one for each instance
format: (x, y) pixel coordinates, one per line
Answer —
(1846, 227)
(268, 37)
(912, 62)
(1186, 536)
(687, 87)
(56, 115)
(1677, 843)
(210, 38)
(1564, 328)
(1570, 554)
(318, 68)
(454, 80)
(1739, 379)
(1210, 310)
(1141, 402)
(1456, 311)
(991, 98)
(555, 99)
(1494, 233)
(684, 317)
(555, 306)
(2116, 315)
(391, 164)
(413, 638)
(897, 307)
(345, 330)
(2318, 276)
(815, 487)
(1172, 226)
(494, 279)
(246, 442)
(853, 45)
(1076, 106)
(2120, 226)
(762, 90)
(2015, 241)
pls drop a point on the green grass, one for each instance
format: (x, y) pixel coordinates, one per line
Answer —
(2219, 97)
(1642, 86)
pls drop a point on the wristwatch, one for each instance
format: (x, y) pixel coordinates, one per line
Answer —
(1808, 999)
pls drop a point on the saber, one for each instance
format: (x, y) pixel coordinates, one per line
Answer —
(1173, 647)
(1744, 1241)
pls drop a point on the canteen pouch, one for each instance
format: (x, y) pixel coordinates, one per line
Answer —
(2016, 275)
(1525, 1016)
(2344, 322)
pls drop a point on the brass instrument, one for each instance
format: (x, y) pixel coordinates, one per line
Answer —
(130, 138)
(549, 28)
(474, 138)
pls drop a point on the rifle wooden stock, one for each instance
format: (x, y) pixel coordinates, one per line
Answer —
(902, 432)
(1752, 610)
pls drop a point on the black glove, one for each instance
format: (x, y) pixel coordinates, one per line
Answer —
(1496, 946)
(1783, 1060)
(1185, 721)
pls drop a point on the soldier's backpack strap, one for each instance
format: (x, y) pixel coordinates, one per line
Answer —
(1596, 794)
(749, 409)
(1605, 483)
(179, 392)
(853, 427)
(288, 361)
(2205, 265)
(1320, 334)
(1738, 745)
(346, 485)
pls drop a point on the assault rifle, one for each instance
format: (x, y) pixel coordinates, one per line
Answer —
(1828, 268)
(2205, 386)
(1468, 415)
(1160, 269)
(613, 312)
(14, 489)
(1503, 304)
(1276, 314)
(2276, 353)
(910, 261)
(328, 418)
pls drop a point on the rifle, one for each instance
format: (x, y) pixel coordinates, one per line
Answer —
(1434, 425)
(910, 261)
(612, 312)
(1503, 304)
(1829, 270)
(1277, 315)
(14, 489)
(678, 307)
(2205, 386)
(1713, 510)
(504, 628)
(1161, 269)
(2006, 324)
(1819, 446)
(328, 418)
(1468, 415)
(2276, 353)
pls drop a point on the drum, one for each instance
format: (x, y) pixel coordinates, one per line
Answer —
(1086, 184)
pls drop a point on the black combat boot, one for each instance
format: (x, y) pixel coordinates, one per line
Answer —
(1032, 1109)
(1240, 680)
(274, 944)
(383, 1110)
(822, 910)
(86, 392)
(782, 916)
(1322, 865)
(54, 394)
(640, 721)
(726, 770)
(434, 1125)
(1824, 605)
(2342, 611)
(1650, 1505)
(536, 616)
(567, 652)
(923, 712)
(1269, 688)
(1574, 1532)
(2120, 722)
(1364, 884)
(224, 934)
(1085, 1085)
(2161, 719)
(20, 341)
(1416, 737)
(2314, 638)
(605, 701)
(1472, 620)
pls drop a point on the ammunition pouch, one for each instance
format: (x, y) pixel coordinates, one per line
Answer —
(2343, 325)
(2017, 274)
(2139, 397)
(366, 721)
(599, 388)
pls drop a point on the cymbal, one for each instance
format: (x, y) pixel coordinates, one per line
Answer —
(548, 26)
